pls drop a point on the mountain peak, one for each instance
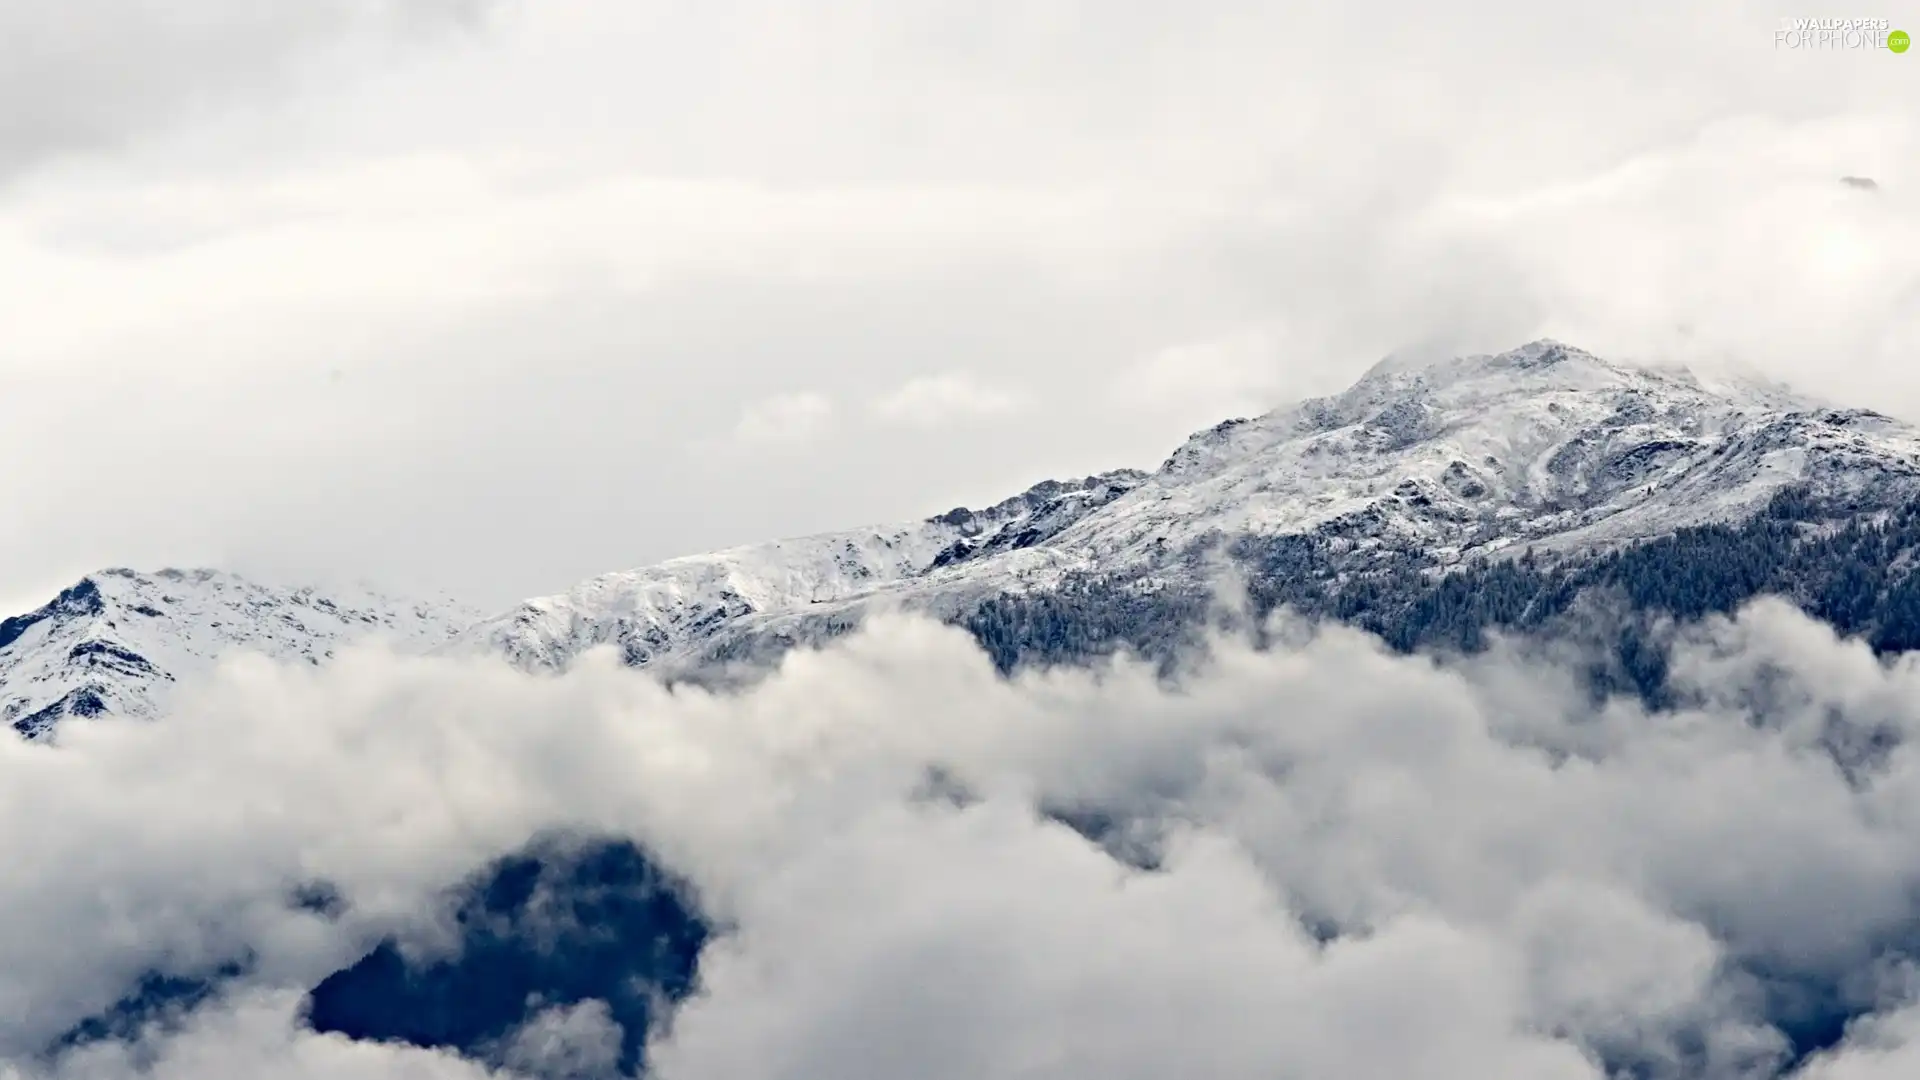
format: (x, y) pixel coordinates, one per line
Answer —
(1548, 365)
(1542, 446)
(1406, 398)
(1536, 363)
(1540, 353)
(118, 639)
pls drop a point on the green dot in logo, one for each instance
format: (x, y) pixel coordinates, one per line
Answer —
(1898, 41)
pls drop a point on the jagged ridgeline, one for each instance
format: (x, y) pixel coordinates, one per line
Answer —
(1404, 505)
(1848, 563)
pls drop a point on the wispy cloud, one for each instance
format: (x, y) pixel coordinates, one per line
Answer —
(786, 418)
(1233, 375)
(940, 400)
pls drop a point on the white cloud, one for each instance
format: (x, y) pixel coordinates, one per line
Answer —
(1512, 879)
(784, 418)
(1243, 374)
(251, 1035)
(1885, 1046)
(578, 1042)
(938, 400)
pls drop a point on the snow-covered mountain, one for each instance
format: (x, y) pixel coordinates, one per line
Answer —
(118, 641)
(1545, 447)
(670, 610)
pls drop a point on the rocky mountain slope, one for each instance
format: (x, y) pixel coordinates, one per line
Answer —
(118, 641)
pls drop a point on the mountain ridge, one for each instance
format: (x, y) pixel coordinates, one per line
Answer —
(1434, 465)
(119, 640)
(1544, 446)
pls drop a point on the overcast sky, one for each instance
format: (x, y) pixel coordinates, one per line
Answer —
(487, 296)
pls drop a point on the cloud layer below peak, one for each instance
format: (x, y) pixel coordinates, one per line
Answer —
(1362, 864)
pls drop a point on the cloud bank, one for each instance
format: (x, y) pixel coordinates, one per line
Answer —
(1358, 864)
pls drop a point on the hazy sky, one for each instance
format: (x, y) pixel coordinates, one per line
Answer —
(490, 296)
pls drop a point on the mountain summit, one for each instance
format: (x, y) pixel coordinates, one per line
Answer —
(1343, 506)
(1545, 447)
